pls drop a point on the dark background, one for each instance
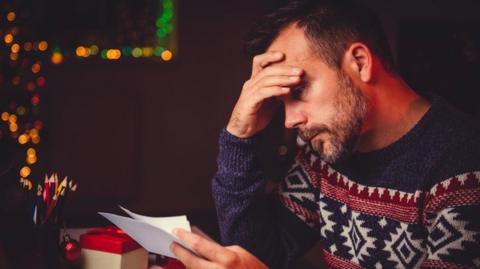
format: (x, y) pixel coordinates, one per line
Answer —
(143, 133)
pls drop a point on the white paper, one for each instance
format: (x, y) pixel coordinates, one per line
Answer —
(150, 232)
(165, 223)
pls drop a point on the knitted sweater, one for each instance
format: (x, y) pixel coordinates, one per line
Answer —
(412, 204)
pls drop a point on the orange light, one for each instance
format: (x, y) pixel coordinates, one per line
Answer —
(36, 139)
(25, 171)
(36, 67)
(166, 55)
(81, 51)
(57, 58)
(11, 16)
(15, 48)
(43, 45)
(8, 38)
(13, 56)
(12, 119)
(31, 159)
(5, 116)
(114, 54)
(34, 132)
(13, 127)
(31, 152)
(23, 139)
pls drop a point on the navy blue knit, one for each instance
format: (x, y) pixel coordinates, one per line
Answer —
(412, 204)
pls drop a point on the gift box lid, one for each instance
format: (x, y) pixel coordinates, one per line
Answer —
(109, 239)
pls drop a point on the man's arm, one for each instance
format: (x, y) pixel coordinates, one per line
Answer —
(247, 216)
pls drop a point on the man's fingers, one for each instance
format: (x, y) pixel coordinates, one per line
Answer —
(282, 81)
(268, 92)
(189, 259)
(263, 60)
(206, 248)
(277, 70)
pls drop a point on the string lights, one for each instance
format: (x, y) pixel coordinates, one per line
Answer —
(24, 61)
(164, 29)
(22, 79)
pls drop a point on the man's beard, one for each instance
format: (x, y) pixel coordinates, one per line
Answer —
(341, 136)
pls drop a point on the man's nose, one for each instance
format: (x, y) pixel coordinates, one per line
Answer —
(294, 117)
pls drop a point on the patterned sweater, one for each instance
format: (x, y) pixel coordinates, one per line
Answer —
(413, 204)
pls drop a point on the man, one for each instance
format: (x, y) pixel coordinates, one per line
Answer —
(383, 178)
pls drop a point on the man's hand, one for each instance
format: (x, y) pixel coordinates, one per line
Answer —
(213, 255)
(255, 107)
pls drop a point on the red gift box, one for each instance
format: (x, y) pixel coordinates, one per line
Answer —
(113, 249)
(110, 239)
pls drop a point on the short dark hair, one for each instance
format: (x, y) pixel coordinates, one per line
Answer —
(330, 25)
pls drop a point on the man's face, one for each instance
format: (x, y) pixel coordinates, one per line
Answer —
(327, 108)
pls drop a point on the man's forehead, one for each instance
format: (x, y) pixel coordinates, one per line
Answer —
(292, 42)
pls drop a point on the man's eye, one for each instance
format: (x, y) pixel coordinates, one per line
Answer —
(297, 92)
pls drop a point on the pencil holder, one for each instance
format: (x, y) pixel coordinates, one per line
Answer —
(47, 239)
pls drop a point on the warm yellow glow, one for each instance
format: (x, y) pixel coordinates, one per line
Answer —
(23, 139)
(31, 159)
(27, 46)
(57, 58)
(147, 51)
(15, 48)
(167, 55)
(36, 68)
(31, 152)
(5, 116)
(8, 38)
(13, 56)
(93, 50)
(137, 52)
(114, 54)
(25, 171)
(43, 45)
(13, 127)
(11, 16)
(36, 139)
(12, 118)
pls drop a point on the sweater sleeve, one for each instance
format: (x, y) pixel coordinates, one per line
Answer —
(453, 226)
(247, 215)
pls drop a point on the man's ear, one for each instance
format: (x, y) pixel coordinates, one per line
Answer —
(358, 61)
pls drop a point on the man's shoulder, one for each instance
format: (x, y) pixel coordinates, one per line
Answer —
(456, 138)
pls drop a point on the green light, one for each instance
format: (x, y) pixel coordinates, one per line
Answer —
(167, 4)
(158, 51)
(167, 14)
(137, 52)
(103, 54)
(159, 23)
(161, 33)
(127, 51)
(169, 28)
